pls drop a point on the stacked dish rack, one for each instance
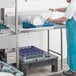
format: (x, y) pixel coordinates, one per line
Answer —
(4, 67)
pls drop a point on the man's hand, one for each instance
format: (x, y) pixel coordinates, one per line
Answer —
(52, 9)
(50, 19)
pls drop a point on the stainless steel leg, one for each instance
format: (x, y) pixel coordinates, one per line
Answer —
(61, 36)
(48, 41)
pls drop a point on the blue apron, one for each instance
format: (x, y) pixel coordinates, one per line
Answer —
(71, 43)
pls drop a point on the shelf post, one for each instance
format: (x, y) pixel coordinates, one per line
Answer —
(16, 32)
(2, 14)
(48, 41)
(61, 36)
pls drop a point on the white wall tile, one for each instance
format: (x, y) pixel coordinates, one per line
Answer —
(7, 3)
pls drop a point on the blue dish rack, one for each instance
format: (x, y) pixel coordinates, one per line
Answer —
(26, 24)
(2, 26)
(31, 53)
(4, 67)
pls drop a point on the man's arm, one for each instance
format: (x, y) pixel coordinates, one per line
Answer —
(58, 9)
(58, 20)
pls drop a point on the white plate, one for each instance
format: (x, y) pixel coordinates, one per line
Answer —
(5, 74)
(37, 20)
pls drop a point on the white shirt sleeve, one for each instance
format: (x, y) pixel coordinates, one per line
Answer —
(71, 9)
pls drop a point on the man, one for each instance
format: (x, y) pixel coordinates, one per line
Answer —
(70, 18)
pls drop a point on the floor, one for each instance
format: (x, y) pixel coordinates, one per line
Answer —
(46, 71)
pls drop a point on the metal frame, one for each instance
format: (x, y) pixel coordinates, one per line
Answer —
(58, 26)
(16, 32)
(60, 54)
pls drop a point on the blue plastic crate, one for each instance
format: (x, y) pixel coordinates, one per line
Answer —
(31, 50)
(31, 53)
